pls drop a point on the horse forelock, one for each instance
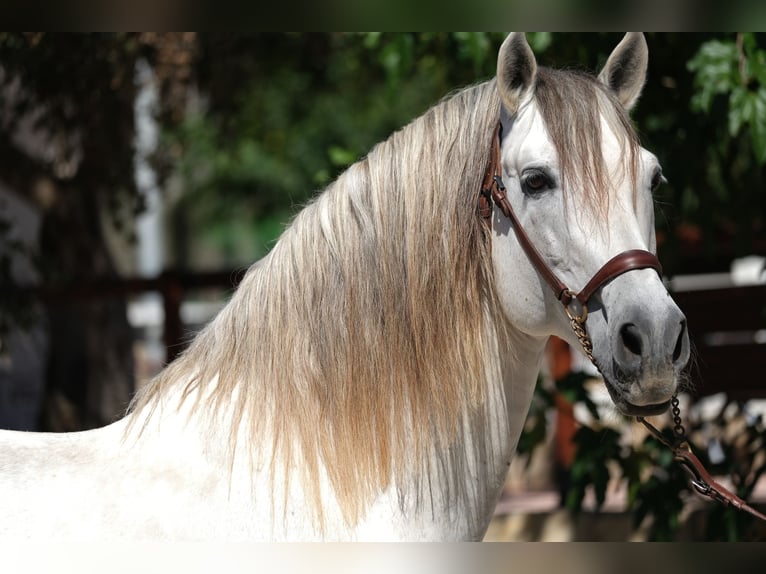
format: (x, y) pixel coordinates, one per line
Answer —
(371, 331)
(572, 105)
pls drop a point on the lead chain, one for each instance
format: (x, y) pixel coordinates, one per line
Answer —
(578, 326)
(678, 425)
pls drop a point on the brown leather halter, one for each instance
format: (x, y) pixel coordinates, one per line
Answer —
(493, 189)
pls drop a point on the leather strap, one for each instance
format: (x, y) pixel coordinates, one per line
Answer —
(492, 187)
(703, 483)
(617, 265)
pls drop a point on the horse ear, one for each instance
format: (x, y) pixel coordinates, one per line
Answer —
(625, 70)
(516, 70)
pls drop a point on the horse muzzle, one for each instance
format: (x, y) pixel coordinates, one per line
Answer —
(646, 347)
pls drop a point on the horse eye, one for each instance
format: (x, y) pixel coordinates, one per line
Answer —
(536, 181)
(657, 180)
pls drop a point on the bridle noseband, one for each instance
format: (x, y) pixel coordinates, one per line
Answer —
(575, 304)
(493, 190)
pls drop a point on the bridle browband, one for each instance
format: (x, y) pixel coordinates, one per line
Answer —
(493, 190)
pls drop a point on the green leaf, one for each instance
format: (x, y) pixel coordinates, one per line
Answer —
(756, 59)
(371, 40)
(758, 124)
(574, 499)
(749, 108)
(600, 481)
(715, 67)
(473, 46)
(738, 110)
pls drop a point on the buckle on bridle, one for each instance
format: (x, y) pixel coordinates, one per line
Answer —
(576, 310)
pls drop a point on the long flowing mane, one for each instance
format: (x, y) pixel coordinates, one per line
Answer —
(372, 331)
(363, 334)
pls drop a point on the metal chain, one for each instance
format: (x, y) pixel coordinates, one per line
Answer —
(678, 425)
(578, 326)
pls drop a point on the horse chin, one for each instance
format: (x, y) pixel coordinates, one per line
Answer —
(632, 410)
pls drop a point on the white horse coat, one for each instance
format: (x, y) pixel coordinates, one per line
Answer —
(370, 378)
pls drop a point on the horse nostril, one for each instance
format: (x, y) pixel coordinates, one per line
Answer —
(679, 342)
(631, 338)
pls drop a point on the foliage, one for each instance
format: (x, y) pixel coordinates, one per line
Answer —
(257, 152)
(658, 488)
(741, 438)
(254, 124)
(737, 71)
(725, 142)
(286, 113)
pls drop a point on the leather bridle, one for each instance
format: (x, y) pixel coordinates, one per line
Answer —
(576, 307)
(575, 304)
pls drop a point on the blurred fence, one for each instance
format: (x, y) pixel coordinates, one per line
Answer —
(728, 332)
(727, 325)
(172, 286)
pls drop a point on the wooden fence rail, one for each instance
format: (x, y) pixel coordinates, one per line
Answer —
(727, 326)
(728, 331)
(173, 287)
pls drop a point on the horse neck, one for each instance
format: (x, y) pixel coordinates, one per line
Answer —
(520, 371)
(468, 478)
(456, 498)
(519, 379)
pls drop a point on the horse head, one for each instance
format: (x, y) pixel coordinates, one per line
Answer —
(580, 187)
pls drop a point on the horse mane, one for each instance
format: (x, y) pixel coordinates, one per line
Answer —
(363, 334)
(372, 331)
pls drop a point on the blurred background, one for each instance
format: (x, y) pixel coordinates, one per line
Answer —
(140, 174)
